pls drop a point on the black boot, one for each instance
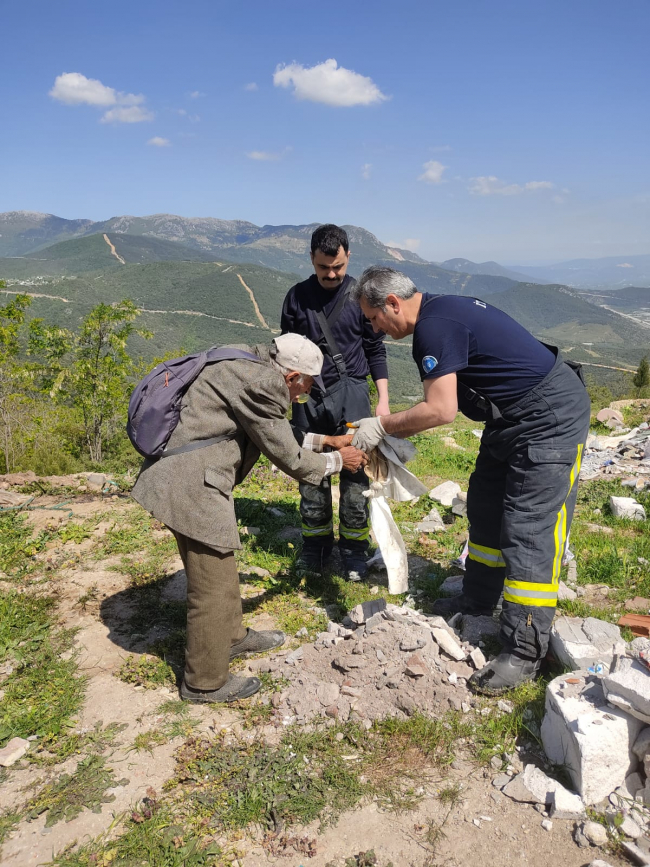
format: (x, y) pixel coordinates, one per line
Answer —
(504, 672)
(459, 605)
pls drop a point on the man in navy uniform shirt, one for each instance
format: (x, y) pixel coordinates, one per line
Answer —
(319, 308)
(474, 358)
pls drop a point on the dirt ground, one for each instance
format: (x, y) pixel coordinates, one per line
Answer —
(483, 828)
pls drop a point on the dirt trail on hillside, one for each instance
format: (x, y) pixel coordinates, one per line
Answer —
(113, 250)
(258, 312)
(38, 295)
(641, 322)
(198, 313)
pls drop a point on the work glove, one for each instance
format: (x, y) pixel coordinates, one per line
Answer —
(369, 433)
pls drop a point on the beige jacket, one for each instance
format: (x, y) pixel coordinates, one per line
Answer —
(192, 492)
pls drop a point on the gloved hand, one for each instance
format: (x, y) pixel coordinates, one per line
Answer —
(369, 433)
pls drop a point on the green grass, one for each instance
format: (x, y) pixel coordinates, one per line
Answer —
(146, 671)
(18, 544)
(66, 797)
(44, 691)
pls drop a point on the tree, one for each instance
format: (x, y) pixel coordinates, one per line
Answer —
(14, 376)
(91, 370)
(641, 379)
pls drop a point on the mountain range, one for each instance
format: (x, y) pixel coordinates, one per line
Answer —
(197, 288)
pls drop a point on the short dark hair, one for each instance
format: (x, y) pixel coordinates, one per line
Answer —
(328, 239)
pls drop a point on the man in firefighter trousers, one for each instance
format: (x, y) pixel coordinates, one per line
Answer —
(474, 358)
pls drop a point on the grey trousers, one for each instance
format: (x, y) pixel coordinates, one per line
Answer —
(214, 612)
(520, 503)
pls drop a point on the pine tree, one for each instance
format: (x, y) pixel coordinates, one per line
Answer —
(641, 379)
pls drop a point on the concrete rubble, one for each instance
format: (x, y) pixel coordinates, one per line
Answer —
(591, 739)
(627, 686)
(432, 523)
(445, 493)
(627, 507)
(627, 454)
(578, 643)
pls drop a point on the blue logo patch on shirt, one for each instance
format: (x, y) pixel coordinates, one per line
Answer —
(429, 362)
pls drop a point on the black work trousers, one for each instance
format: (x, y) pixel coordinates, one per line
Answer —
(520, 503)
(347, 400)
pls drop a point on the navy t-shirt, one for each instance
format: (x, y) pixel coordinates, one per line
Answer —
(486, 349)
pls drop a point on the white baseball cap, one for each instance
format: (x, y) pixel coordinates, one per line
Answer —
(296, 352)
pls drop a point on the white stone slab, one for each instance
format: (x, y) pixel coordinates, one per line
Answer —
(628, 687)
(592, 740)
(627, 507)
(579, 643)
(445, 492)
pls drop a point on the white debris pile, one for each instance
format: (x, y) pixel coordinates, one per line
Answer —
(382, 660)
(627, 454)
(596, 727)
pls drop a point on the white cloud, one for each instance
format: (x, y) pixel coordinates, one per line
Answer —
(267, 156)
(195, 94)
(159, 142)
(365, 171)
(490, 185)
(73, 88)
(328, 83)
(251, 86)
(411, 244)
(432, 172)
(127, 114)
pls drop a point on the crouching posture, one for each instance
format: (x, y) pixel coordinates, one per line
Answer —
(243, 403)
(473, 357)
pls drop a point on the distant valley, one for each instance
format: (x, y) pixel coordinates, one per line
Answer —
(213, 281)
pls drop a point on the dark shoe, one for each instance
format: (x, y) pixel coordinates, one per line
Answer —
(312, 561)
(459, 605)
(256, 642)
(232, 690)
(355, 567)
(504, 672)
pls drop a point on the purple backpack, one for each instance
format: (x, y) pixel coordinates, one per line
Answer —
(155, 404)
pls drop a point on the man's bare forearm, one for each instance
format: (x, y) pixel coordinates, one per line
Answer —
(420, 417)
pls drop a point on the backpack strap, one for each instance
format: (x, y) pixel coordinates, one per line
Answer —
(326, 323)
(217, 353)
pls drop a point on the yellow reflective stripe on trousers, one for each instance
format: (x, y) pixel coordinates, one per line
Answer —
(488, 556)
(362, 534)
(323, 530)
(560, 531)
(530, 593)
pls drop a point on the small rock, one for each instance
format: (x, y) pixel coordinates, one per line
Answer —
(431, 523)
(327, 693)
(302, 633)
(630, 828)
(478, 658)
(295, 656)
(445, 493)
(448, 644)
(505, 706)
(547, 825)
(415, 666)
(362, 612)
(627, 507)
(13, 751)
(595, 833)
(411, 642)
(500, 781)
(565, 592)
(250, 531)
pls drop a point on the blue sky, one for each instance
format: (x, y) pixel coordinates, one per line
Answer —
(515, 131)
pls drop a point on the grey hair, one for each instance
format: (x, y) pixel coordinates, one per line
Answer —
(285, 370)
(377, 283)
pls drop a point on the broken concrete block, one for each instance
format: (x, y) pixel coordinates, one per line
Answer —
(590, 738)
(478, 658)
(445, 493)
(628, 686)
(627, 507)
(566, 804)
(608, 414)
(13, 751)
(565, 592)
(531, 786)
(579, 643)
(459, 505)
(295, 656)
(416, 666)
(641, 746)
(452, 586)
(432, 523)
(448, 644)
(365, 610)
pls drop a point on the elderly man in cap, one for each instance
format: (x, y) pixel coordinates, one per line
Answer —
(245, 402)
